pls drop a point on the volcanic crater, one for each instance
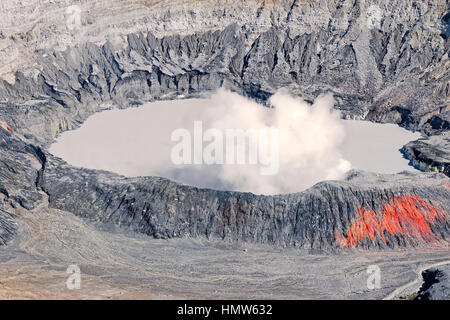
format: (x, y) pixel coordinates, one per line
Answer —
(397, 74)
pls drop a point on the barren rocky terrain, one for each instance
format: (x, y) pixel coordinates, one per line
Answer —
(149, 237)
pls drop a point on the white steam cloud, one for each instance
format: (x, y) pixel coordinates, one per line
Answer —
(309, 141)
(137, 142)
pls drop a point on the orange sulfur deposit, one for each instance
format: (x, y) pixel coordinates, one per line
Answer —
(404, 215)
(5, 126)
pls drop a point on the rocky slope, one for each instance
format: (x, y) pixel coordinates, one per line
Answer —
(388, 211)
(395, 70)
(365, 210)
(430, 153)
(381, 72)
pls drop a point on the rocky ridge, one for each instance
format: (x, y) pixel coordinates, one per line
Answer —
(436, 284)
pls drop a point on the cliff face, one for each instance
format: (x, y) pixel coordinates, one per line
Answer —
(385, 62)
(389, 70)
(366, 210)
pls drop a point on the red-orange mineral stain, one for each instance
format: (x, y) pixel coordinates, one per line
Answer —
(5, 126)
(406, 215)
